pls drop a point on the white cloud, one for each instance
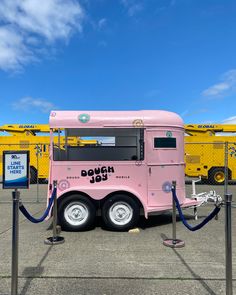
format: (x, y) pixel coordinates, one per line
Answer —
(216, 89)
(13, 52)
(29, 25)
(33, 104)
(230, 120)
(102, 23)
(225, 87)
(189, 113)
(133, 6)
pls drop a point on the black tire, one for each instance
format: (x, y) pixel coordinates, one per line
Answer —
(129, 212)
(217, 176)
(43, 180)
(33, 175)
(76, 213)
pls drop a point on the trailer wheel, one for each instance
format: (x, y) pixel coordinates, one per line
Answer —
(120, 212)
(217, 176)
(76, 213)
(33, 175)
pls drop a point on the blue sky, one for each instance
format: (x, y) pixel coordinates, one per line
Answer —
(176, 55)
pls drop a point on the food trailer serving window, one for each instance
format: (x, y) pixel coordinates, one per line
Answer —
(101, 144)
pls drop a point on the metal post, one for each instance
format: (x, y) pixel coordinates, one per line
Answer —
(228, 244)
(55, 239)
(59, 142)
(174, 242)
(54, 229)
(195, 212)
(15, 241)
(194, 181)
(174, 216)
(37, 180)
(226, 169)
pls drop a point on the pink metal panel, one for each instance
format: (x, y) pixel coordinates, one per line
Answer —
(98, 119)
(99, 180)
(164, 166)
(100, 177)
(165, 155)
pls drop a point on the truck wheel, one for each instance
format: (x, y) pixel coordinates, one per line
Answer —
(76, 213)
(33, 175)
(217, 176)
(120, 212)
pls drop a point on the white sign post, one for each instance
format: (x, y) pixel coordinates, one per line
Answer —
(15, 176)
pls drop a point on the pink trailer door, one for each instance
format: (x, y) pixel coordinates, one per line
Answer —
(164, 164)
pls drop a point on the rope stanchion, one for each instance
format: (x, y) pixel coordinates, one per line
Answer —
(228, 245)
(55, 239)
(200, 225)
(15, 241)
(42, 218)
(177, 243)
(174, 242)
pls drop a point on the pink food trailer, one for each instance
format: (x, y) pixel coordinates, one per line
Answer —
(129, 169)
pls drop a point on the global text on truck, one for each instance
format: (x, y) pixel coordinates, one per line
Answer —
(131, 169)
(206, 149)
(31, 137)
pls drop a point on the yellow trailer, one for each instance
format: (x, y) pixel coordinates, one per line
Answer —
(208, 151)
(35, 139)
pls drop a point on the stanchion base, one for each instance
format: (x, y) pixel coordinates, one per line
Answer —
(174, 243)
(54, 240)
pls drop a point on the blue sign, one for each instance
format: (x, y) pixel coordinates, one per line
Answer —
(15, 169)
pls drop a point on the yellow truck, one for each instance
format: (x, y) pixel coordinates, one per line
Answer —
(204, 149)
(35, 139)
(209, 148)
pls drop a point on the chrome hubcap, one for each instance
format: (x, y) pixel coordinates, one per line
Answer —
(76, 213)
(120, 213)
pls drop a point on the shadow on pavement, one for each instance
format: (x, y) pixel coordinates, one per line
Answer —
(32, 272)
(195, 276)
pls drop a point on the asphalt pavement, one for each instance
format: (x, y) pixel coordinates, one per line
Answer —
(105, 262)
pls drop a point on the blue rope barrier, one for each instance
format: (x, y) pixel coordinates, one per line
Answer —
(200, 225)
(37, 220)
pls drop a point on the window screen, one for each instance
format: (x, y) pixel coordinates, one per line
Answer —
(164, 142)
